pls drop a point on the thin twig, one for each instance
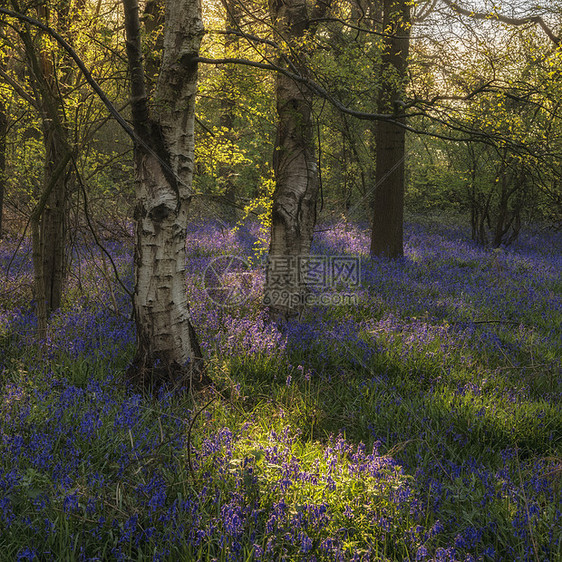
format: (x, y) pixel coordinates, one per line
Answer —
(192, 423)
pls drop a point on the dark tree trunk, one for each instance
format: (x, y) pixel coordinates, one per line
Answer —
(388, 200)
(48, 227)
(53, 227)
(228, 104)
(387, 238)
(3, 132)
(48, 220)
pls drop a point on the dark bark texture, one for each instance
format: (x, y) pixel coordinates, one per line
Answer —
(3, 132)
(388, 201)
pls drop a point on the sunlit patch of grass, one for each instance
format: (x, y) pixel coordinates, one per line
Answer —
(105, 468)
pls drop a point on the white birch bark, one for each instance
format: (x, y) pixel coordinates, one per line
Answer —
(295, 166)
(167, 345)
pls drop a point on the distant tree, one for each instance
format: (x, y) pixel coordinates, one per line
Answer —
(227, 170)
(3, 132)
(48, 220)
(519, 109)
(348, 59)
(390, 137)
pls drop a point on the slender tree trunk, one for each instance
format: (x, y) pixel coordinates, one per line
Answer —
(295, 166)
(42, 270)
(53, 229)
(3, 132)
(228, 103)
(167, 348)
(388, 201)
(48, 220)
(153, 19)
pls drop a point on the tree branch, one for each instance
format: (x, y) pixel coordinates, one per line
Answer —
(18, 88)
(317, 89)
(137, 138)
(89, 78)
(506, 19)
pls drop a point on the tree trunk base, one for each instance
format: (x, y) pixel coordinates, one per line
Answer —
(153, 375)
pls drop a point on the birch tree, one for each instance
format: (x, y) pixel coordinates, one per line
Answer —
(295, 163)
(167, 347)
